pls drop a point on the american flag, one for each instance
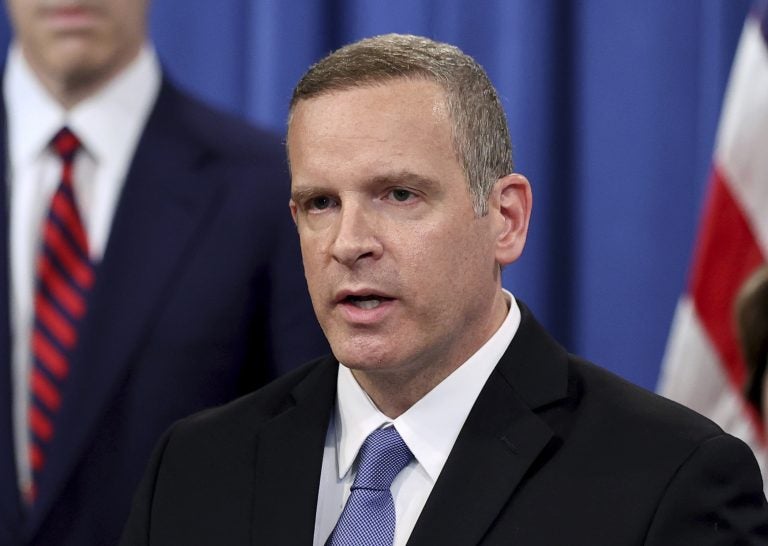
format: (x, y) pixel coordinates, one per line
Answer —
(703, 367)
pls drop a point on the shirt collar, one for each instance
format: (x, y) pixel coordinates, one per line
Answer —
(430, 427)
(112, 119)
(34, 116)
(104, 122)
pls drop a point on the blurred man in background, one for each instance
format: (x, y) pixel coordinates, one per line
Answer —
(148, 257)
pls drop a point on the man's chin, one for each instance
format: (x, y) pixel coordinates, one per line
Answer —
(365, 361)
(78, 78)
(77, 65)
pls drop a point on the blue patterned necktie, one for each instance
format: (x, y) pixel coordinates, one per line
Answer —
(368, 518)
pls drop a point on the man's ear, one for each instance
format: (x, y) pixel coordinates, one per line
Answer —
(510, 203)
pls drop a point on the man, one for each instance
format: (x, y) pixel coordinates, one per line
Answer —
(147, 271)
(447, 414)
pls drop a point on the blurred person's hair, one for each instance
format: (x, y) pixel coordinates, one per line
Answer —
(751, 309)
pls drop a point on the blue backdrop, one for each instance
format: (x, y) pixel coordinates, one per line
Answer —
(613, 108)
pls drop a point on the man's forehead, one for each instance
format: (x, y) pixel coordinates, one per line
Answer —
(399, 114)
(424, 92)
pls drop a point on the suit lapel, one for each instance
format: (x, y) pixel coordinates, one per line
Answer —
(500, 441)
(10, 502)
(289, 460)
(164, 204)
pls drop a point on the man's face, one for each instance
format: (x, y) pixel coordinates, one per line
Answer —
(403, 276)
(78, 42)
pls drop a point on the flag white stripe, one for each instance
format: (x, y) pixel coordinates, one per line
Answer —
(742, 144)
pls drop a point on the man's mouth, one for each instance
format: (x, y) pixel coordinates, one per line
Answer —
(365, 302)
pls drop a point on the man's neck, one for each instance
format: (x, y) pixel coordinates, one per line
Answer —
(395, 391)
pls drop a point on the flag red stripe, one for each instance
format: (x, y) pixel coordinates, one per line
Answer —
(726, 253)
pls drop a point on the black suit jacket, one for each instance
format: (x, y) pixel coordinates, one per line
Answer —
(555, 451)
(201, 275)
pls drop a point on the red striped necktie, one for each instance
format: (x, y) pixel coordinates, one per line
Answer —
(64, 278)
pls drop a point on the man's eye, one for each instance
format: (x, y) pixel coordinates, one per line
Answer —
(401, 195)
(319, 203)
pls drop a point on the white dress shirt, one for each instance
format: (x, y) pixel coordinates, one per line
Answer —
(109, 125)
(429, 428)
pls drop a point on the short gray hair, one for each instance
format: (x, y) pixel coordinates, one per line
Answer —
(478, 123)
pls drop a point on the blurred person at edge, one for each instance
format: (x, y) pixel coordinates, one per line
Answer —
(197, 296)
(751, 309)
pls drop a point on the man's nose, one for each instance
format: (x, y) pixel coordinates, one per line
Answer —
(356, 235)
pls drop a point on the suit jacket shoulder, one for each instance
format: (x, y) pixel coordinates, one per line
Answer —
(558, 450)
(249, 413)
(220, 132)
(222, 476)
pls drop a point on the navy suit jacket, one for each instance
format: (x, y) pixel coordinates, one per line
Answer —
(201, 275)
(555, 451)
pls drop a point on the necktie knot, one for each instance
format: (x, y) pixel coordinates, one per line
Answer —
(383, 455)
(65, 143)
